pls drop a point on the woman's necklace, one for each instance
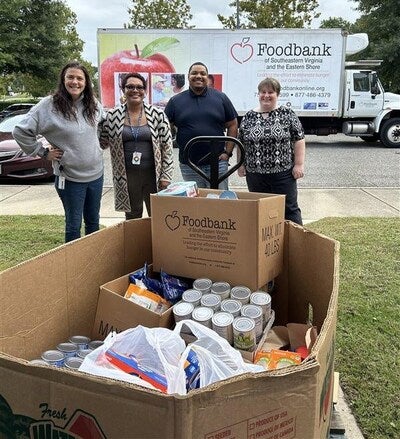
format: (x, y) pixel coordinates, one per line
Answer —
(135, 129)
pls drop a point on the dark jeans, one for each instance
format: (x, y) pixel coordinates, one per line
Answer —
(141, 183)
(81, 199)
(282, 183)
(188, 174)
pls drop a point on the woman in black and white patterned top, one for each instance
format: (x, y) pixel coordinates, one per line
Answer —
(273, 139)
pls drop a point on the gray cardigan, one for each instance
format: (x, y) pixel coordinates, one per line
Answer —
(82, 160)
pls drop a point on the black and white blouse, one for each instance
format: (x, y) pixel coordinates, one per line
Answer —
(268, 139)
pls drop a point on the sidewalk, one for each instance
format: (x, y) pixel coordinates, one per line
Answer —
(316, 203)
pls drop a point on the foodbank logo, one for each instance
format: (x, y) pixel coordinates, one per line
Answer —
(174, 221)
(80, 425)
(243, 51)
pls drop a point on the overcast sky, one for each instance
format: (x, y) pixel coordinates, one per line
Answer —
(94, 14)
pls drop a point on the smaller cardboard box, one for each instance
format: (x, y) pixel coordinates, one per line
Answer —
(116, 313)
(238, 241)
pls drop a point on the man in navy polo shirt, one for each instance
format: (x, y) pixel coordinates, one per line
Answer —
(202, 111)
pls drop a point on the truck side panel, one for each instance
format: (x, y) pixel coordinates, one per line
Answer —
(308, 63)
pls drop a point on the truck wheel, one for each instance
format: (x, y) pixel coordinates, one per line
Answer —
(390, 133)
(370, 139)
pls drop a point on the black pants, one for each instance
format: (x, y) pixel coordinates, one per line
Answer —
(141, 183)
(282, 183)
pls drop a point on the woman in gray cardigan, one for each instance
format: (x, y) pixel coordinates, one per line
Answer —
(140, 142)
(69, 120)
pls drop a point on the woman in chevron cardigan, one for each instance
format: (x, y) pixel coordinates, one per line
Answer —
(140, 142)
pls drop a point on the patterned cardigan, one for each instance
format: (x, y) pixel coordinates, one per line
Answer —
(111, 136)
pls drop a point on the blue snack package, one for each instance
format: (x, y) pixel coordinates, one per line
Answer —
(153, 285)
(130, 365)
(173, 287)
(192, 371)
(137, 275)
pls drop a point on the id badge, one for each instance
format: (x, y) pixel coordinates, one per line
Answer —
(61, 182)
(136, 157)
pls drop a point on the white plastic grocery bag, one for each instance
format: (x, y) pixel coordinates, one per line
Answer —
(155, 349)
(160, 356)
(218, 360)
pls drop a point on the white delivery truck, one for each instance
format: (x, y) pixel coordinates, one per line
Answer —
(329, 95)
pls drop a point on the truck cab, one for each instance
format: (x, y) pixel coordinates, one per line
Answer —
(368, 111)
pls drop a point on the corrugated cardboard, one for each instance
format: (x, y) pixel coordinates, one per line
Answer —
(115, 313)
(237, 241)
(39, 311)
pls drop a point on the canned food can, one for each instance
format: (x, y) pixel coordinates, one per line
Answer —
(182, 311)
(54, 358)
(68, 349)
(73, 363)
(81, 341)
(203, 285)
(211, 300)
(263, 299)
(244, 333)
(241, 293)
(83, 353)
(255, 313)
(192, 296)
(232, 306)
(203, 315)
(223, 289)
(222, 324)
(94, 344)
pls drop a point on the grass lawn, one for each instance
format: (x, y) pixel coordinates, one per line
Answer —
(22, 237)
(368, 332)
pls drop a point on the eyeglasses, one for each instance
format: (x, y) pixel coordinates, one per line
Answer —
(134, 87)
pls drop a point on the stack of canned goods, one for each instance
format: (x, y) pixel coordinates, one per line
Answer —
(69, 354)
(235, 313)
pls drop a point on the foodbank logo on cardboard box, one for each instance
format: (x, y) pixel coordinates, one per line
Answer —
(174, 221)
(53, 424)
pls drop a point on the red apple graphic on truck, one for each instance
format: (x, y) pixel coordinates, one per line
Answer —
(146, 60)
(243, 51)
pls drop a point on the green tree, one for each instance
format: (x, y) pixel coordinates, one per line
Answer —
(37, 37)
(380, 19)
(159, 14)
(337, 22)
(272, 13)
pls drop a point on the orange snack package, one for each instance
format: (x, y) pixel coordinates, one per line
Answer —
(146, 298)
(276, 359)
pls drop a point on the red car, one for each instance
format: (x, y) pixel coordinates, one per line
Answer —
(14, 163)
(7, 125)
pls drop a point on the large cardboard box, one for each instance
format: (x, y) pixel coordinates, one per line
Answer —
(237, 241)
(39, 311)
(115, 313)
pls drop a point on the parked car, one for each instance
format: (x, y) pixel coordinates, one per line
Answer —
(7, 125)
(16, 165)
(15, 109)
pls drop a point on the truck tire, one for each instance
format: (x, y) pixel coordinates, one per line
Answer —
(390, 133)
(370, 139)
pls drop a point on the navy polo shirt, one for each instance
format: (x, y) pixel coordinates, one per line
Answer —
(199, 115)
